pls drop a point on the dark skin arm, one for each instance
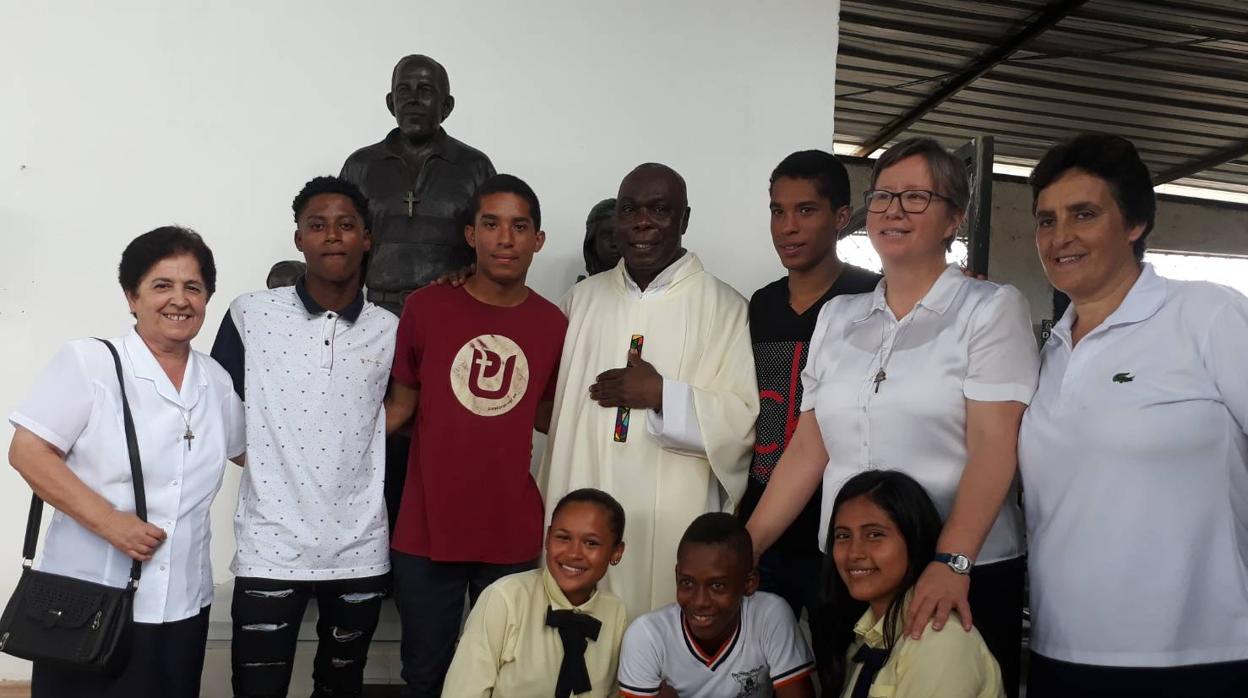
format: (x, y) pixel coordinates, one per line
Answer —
(544, 410)
(637, 385)
(802, 688)
(400, 406)
(666, 691)
(455, 278)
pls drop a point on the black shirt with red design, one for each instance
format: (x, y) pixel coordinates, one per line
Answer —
(781, 340)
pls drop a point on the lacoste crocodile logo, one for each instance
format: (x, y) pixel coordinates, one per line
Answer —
(1124, 377)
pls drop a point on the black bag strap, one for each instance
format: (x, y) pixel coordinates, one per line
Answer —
(136, 472)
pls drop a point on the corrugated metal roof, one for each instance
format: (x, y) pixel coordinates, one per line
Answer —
(1171, 75)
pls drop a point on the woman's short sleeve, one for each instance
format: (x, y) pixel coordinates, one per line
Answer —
(812, 372)
(1223, 355)
(58, 407)
(1003, 362)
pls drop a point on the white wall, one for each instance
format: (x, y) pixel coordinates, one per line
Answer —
(119, 120)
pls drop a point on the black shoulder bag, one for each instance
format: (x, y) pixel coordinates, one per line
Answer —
(68, 622)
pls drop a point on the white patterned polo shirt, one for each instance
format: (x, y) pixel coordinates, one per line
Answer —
(311, 504)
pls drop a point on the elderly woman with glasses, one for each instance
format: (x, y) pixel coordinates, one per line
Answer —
(929, 375)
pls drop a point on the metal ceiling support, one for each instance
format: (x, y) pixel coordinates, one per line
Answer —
(1231, 152)
(978, 156)
(981, 64)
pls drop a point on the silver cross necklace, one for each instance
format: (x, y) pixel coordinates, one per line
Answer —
(189, 435)
(882, 375)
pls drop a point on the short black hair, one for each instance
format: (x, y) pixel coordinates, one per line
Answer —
(918, 522)
(589, 495)
(439, 71)
(505, 184)
(328, 184)
(824, 169)
(145, 251)
(1113, 159)
(717, 528)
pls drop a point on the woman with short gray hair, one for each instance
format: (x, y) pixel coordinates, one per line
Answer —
(929, 375)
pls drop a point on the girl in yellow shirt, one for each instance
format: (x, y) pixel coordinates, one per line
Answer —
(882, 535)
(550, 632)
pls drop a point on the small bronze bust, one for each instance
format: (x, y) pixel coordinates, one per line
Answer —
(418, 181)
(601, 252)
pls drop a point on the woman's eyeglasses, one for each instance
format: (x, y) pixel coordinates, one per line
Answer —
(912, 200)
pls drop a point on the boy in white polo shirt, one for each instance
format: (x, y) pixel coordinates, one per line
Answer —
(721, 638)
(311, 362)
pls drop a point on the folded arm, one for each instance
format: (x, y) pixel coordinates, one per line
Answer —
(43, 466)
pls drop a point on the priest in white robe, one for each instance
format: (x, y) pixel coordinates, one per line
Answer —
(691, 391)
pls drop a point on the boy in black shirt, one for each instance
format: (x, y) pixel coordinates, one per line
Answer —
(809, 205)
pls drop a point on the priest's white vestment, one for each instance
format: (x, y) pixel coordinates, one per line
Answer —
(693, 457)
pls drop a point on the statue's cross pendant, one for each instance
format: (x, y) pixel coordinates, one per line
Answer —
(880, 378)
(188, 437)
(410, 200)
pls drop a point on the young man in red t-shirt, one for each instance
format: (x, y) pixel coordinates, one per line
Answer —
(477, 366)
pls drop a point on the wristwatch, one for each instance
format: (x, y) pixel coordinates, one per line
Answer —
(957, 562)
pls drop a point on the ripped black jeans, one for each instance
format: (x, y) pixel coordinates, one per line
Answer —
(267, 614)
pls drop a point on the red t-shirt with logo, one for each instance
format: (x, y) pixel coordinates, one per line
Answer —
(481, 371)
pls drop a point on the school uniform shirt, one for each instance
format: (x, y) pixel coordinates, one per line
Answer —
(508, 651)
(764, 652)
(966, 339)
(75, 405)
(950, 663)
(1135, 469)
(310, 505)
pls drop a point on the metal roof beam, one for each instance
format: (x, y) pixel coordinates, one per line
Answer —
(1231, 152)
(1051, 15)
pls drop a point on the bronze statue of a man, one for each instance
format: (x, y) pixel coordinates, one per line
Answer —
(418, 180)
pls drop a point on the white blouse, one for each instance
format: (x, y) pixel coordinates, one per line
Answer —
(965, 340)
(1134, 456)
(75, 405)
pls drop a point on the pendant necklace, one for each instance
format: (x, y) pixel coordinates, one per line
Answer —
(882, 374)
(189, 435)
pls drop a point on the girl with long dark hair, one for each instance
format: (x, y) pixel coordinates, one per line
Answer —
(882, 535)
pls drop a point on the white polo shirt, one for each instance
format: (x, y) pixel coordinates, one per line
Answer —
(75, 405)
(965, 340)
(311, 504)
(1135, 472)
(766, 651)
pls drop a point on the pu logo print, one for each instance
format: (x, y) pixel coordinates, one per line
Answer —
(489, 375)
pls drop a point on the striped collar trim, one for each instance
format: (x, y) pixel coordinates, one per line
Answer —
(714, 661)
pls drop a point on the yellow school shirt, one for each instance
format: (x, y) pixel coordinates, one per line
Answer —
(508, 651)
(951, 663)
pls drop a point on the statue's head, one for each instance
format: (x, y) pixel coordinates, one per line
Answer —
(601, 252)
(420, 96)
